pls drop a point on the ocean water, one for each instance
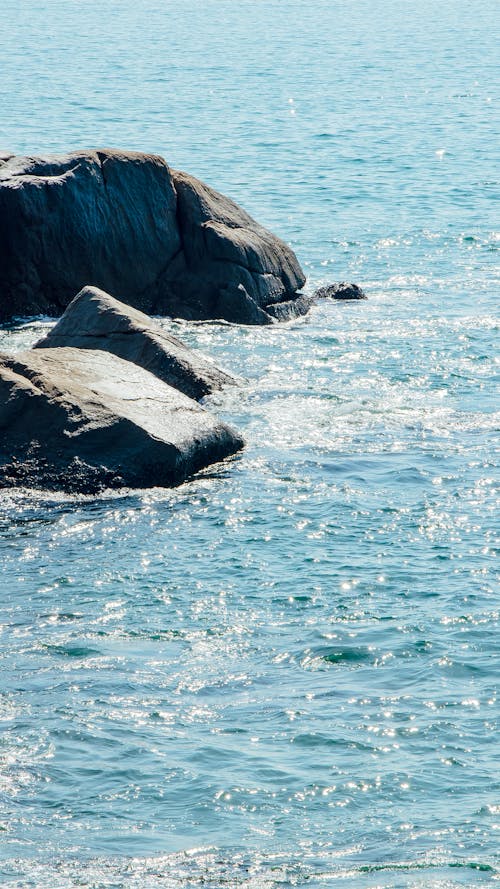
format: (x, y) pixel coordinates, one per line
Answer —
(283, 673)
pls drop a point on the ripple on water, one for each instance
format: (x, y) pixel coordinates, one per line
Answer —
(282, 673)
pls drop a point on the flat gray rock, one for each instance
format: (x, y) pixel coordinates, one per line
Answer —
(124, 222)
(84, 420)
(95, 320)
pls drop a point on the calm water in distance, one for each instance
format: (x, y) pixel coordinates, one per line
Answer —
(284, 672)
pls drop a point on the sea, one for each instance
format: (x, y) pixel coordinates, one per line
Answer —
(284, 672)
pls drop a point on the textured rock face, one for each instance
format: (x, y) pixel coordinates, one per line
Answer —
(103, 218)
(342, 290)
(286, 311)
(124, 222)
(83, 420)
(95, 320)
(225, 251)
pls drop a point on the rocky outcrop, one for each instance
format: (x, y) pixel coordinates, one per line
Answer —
(95, 320)
(342, 290)
(124, 222)
(84, 420)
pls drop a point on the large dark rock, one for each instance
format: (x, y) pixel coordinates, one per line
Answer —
(84, 420)
(95, 320)
(342, 290)
(103, 218)
(124, 222)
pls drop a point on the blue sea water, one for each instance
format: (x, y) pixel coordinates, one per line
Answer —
(283, 673)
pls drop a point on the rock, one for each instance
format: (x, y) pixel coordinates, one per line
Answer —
(124, 222)
(286, 311)
(225, 248)
(95, 320)
(234, 304)
(83, 420)
(343, 290)
(103, 218)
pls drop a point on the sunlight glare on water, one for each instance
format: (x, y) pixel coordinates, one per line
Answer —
(284, 672)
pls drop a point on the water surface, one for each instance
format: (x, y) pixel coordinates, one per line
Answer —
(284, 672)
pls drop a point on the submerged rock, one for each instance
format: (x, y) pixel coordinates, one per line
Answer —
(95, 320)
(342, 290)
(83, 420)
(124, 222)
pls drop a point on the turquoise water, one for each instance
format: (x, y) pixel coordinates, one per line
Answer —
(284, 672)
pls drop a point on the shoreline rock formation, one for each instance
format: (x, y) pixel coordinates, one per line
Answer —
(128, 224)
(106, 400)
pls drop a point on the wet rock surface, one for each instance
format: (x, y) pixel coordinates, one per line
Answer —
(227, 251)
(287, 311)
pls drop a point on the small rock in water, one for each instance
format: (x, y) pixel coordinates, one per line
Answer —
(342, 290)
